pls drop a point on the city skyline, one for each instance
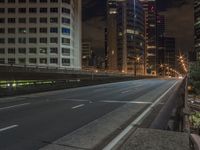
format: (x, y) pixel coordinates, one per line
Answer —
(99, 74)
(176, 12)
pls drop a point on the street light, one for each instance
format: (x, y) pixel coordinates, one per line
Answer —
(137, 60)
(183, 61)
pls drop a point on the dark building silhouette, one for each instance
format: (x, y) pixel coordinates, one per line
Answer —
(160, 40)
(167, 46)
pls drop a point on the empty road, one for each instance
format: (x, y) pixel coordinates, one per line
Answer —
(33, 121)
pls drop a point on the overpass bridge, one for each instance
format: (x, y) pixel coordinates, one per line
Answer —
(17, 72)
(120, 115)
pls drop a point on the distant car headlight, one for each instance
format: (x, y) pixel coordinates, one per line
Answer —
(180, 77)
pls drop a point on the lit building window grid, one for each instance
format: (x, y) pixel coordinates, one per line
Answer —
(32, 30)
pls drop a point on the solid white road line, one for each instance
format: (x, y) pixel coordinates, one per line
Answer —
(114, 142)
(14, 106)
(78, 106)
(127, 102)
(124, 92)
(9, 127)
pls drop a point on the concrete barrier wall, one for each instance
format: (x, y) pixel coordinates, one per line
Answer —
(60, 84)
(172, 111)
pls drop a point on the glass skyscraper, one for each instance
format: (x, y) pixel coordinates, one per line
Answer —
(126, 36)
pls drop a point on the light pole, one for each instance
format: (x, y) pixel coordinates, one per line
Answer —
(162, 70)
(137, 59)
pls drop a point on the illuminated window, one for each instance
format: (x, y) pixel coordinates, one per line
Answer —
(43, 61)
(66, 62)
(65, 20)
(66, 31)
(43, 50)
(65, 41)
(66, 51)
(65, 10)
(53, 30)
(22, 30)
(53, 20)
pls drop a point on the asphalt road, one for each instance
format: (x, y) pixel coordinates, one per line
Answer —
(32, 121)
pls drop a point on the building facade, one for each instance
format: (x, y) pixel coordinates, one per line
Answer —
(111, 32)
(160, 40)
(151, 39)
(86, 53)
(170, 52)
(197, 27)
(127, 46)
(167, 54)
(42, 33)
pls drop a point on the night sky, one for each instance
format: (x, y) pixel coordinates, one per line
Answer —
(179, 22)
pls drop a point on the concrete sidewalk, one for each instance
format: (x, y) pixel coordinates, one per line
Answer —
(151, 139)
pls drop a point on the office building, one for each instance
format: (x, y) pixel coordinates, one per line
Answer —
(151, 39)
(42, 33)
(112, 35)
(126, 36)
(86, 53)
(160, 39)
(168, 53)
